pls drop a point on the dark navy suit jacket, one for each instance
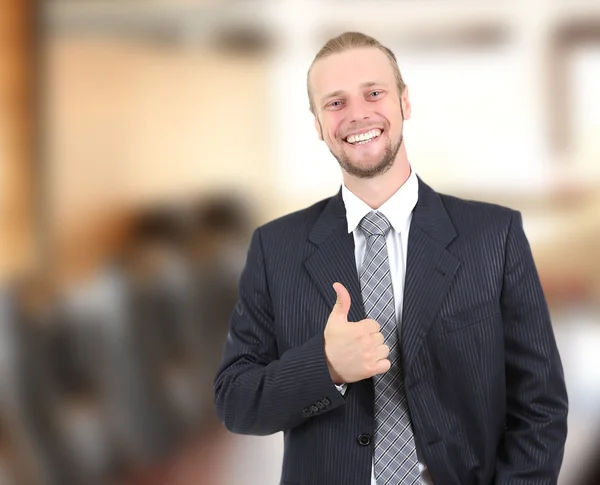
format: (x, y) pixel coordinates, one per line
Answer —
(483, 376)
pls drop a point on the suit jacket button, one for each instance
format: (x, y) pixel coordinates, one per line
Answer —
(326, 401)
(306, 412)
(314, 408)
(320, 404)
(364, 439)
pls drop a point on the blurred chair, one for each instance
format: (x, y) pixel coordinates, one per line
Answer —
(80, 349)
(217, 246)
(183, 277)
(32, 318)
(158, 339)
(19, 464)
(11, 465)
(100, 305)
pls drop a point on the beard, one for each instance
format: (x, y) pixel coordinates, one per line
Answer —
(383, 165)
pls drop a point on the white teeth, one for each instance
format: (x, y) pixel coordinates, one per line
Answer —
(364, 137)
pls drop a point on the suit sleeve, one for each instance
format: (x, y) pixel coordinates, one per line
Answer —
(537, 405)
(257, 391)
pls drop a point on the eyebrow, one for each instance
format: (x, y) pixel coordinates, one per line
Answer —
(339, 92)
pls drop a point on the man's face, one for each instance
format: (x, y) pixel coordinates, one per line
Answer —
(358, 110)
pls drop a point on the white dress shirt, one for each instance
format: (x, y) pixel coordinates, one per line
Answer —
(398, 210)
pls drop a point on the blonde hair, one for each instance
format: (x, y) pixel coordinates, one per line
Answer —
(353, 40)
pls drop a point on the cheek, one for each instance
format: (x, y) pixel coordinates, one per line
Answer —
(395, 117)
(329, 135)
(393, 125)
(332, 127)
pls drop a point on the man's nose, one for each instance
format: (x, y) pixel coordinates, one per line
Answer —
(359, 110)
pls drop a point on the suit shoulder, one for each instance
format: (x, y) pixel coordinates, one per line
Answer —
(476, 212)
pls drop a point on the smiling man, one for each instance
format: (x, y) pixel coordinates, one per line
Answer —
(394, 334)
(365, 137)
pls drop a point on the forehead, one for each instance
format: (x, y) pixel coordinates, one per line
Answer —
(347, 70)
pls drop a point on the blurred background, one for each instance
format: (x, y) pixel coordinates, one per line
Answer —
(141, 142)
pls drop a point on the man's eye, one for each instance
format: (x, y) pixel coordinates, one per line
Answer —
(335, 104)
(375, 93)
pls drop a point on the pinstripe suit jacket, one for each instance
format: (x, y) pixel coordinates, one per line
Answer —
(484, 380)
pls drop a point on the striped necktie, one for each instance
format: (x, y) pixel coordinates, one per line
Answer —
(395, 457)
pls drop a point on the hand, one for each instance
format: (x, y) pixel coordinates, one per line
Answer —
(354, 350)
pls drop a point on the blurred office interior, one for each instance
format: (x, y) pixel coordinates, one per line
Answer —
(142, 141)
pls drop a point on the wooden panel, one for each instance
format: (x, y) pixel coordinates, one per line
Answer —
(16, 196)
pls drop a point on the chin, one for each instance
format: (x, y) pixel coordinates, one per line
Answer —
(363, 165)
(365, 162)
(366, 170)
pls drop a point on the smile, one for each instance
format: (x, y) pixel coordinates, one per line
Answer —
(364, 138)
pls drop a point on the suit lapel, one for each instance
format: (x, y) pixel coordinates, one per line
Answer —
(334, 260)
(429, 272)
(430, 269)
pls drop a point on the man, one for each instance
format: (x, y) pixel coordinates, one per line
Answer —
(437, 362)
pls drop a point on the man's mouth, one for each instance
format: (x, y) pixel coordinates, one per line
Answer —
(363, 138)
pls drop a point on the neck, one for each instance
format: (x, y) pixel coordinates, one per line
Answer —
(377, 190)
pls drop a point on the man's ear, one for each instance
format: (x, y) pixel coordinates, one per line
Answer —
(405, 104)
(319, 128)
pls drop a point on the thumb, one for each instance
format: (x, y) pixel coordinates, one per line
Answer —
(342, 304)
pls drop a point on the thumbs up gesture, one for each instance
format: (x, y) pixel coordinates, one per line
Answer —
(354, 350)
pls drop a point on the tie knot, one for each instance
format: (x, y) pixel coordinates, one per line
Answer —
(375, 224)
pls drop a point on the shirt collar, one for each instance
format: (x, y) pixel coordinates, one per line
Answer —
(397, 209)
